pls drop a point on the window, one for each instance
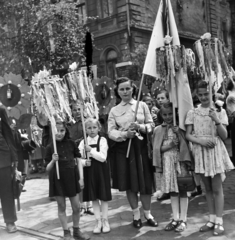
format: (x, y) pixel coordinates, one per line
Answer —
(111, 60)
(224, 32)
(105, 8)
(81, 7)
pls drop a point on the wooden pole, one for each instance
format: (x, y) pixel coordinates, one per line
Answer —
(55, 151)
(136, 109)
(210, 86)
(173, 88)
(84, 130)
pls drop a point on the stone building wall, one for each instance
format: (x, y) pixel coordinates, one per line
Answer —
(193, 19)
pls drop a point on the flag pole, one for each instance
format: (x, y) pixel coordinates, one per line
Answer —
(136, 109)
(210, 86)
(55, 151)
(84, 131)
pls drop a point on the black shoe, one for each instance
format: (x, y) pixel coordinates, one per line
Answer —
(151, 222)
(164, 196)
(137, 223)
(78, 235)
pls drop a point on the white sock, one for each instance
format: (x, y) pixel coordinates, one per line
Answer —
(104, 208)
(148, 215)
(96, 208)
(212, 218)
(183, 209)
(89, 204)
(219, 220)
(175, 207)
(136, 213)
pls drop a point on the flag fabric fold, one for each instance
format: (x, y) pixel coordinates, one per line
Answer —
(178, 87)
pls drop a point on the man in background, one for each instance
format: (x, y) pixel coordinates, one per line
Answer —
(8, 158)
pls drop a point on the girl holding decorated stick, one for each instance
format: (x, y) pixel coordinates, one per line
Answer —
(135, 173)
(96, 174)
(70, 182)
(206, 129)
(76, 134)
(171, 157)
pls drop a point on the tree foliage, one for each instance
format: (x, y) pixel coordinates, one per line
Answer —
(39, 32)
(138, 57)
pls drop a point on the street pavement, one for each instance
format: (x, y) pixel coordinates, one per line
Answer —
(38, 219)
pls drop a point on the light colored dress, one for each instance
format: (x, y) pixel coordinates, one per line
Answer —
(209, 161)
(171, 166)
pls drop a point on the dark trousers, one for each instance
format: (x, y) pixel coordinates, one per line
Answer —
(233, 140)
(6, 195)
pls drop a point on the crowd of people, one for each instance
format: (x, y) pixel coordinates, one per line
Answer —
(90, 167)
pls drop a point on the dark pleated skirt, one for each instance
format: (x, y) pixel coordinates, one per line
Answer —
(67, 185)
(97, 182)
(135, 173)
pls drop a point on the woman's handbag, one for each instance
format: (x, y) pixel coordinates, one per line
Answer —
(186, 183)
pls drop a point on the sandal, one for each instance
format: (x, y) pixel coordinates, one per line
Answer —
(181, 226)
(206, 228)
(172, 225)
(218, 229)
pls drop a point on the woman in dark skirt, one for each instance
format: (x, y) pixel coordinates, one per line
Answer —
(69, 184)
(134, 174)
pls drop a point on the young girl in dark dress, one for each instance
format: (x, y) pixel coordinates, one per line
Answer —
(96, 174)
(69, 184)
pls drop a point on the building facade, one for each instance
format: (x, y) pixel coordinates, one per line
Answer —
(122, 25)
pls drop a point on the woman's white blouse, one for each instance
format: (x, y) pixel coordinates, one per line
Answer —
(122, 115)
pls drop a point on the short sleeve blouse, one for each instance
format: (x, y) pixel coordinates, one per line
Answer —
(67, 152)
(201, 121)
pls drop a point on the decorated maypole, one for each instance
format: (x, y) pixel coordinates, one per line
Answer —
(52, 96)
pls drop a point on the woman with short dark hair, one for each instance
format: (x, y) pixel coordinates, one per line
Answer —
(135, 173)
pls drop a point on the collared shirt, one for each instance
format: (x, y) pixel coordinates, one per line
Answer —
(99, 156)
(67, 152)
(122, 115)
(75, 131)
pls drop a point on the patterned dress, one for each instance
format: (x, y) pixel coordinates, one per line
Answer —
(209, 161)
(171, 166)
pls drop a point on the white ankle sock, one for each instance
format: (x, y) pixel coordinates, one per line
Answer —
(212, 218)
(219, 220)
(136, 213)
(147, 214)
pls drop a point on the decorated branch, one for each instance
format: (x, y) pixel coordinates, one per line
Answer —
(211, 60)
(52, 97)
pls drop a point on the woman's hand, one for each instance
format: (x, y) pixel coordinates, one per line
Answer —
(55, 157)
(134, 126)
(81, 183)
(131, 133)
(207, 143)
(213, 115)
(87, 148)
(88, 163)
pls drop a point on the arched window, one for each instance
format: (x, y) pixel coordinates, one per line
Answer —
(111, 60)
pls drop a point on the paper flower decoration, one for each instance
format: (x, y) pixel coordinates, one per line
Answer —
(167, 40)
